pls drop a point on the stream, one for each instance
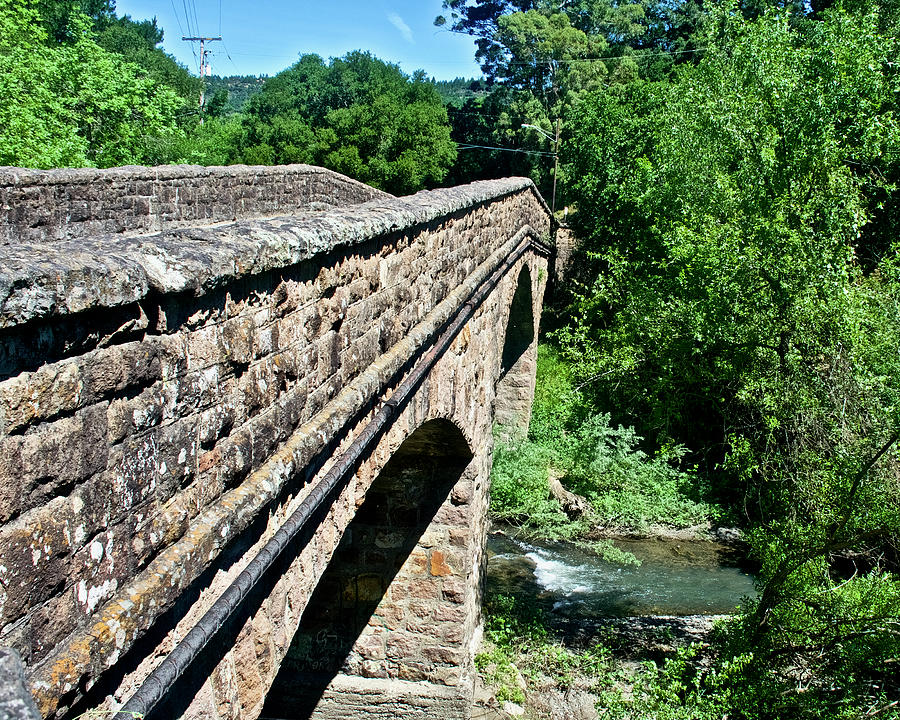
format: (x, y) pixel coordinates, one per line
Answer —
(674, 578)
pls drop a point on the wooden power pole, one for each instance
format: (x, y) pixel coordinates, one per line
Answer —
(204, 63)
(555, 170)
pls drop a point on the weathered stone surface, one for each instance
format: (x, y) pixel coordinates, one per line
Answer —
(134, 466)
(15, 699)
(391, 699)
(49, 205)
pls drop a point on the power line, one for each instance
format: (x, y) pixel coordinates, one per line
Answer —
(228, 55)
(191, 31)
(193, 6)
(467, 146)
(187, 17)
(177, 19)
(488, 115)
(649, 51)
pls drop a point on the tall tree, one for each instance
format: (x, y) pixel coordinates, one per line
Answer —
(723, 305)
(357, 115)
(533, 45)
(73, 104)
(138, 42)
(56, 16)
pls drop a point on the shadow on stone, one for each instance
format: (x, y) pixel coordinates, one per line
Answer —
(351, 619)
(520, 326)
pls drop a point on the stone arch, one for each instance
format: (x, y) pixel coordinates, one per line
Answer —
(519, 325)
(515, 386)
(388, 606)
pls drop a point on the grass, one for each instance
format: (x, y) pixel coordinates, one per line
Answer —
(628, 488)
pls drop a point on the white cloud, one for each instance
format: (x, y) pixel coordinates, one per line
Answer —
(404, 29)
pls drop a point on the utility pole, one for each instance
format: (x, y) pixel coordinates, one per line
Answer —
(555, 154)
(204, 63)
(555, 169)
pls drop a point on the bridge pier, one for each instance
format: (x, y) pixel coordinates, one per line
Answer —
(518, 361)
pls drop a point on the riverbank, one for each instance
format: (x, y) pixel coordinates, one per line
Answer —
(586, 670)
(567, 631)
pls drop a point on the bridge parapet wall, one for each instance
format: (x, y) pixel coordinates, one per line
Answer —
(165, 399)
(42, 205)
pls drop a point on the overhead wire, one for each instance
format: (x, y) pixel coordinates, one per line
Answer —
(630, 56)
(468, 146)
(187, 17)
(228, 55)
(177, 19)
(654, 51)
(193, 6)
(190, 32)
(485, 114)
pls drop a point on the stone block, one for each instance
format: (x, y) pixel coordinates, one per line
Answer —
(206, 347)
(114, 370)
(445, 655)
(373, 669)
(453, 590)
(438, 565)
(449, 676)
(370, 645)
(450, 614)
(421, 609)
(237, 340)
(424, 589)
(413, 672)
(35, 558)
(415, 564)
(460, 537)
(236, 453)
(57, 455)
(215, 422)
(40, 395)
(50, 623)
(402, 647)
(11, 500)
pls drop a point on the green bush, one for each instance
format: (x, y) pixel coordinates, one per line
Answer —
(627, 487)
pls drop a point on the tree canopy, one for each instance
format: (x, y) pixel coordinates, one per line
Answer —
(737, 299)
(73, 103)
(357, 115)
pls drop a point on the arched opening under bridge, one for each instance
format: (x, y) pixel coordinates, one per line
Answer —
(388, 614)
(515, 387)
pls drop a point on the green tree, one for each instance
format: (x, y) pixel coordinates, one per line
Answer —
(722, 305)
(138, 42)
(724, 210)
(540, 48)
(55, 16)
(557, 31)
(357, 115)
(73, 104)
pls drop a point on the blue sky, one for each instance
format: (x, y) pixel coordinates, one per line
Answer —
(266, 36)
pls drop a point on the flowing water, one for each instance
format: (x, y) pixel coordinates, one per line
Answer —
(675, 577)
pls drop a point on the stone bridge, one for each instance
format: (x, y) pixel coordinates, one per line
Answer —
(245, 435)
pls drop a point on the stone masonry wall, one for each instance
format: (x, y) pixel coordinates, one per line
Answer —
(163, 398)
(414, 657)
(39, 205)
